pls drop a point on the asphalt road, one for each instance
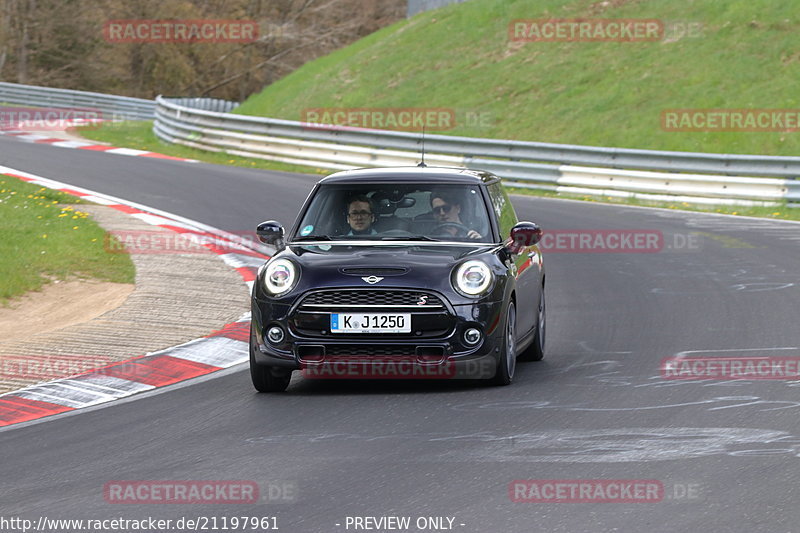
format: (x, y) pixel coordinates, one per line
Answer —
(726, 452)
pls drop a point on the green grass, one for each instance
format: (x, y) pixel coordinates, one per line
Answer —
(588, 93)
(46, 238)
(139, 135)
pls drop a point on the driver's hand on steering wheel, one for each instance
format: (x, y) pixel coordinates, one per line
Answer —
(472, 234)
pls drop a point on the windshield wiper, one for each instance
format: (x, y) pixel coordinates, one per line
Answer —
(411, 238)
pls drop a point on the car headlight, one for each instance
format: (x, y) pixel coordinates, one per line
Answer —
(280, 276)
(472, 278)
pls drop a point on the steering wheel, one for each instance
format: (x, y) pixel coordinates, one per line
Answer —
(461, 229)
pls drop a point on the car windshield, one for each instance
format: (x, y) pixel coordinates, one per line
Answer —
(387, 212)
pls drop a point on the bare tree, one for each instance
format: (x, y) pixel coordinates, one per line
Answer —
(60, 43)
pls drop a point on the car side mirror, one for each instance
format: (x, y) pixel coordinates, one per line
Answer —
(271, 232)
(524, 234)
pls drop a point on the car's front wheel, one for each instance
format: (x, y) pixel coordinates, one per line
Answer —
(508, 353)
(263, 378)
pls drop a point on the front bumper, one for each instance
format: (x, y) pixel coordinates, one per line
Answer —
(437, 353)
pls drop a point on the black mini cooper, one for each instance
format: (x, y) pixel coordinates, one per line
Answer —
(399, 273)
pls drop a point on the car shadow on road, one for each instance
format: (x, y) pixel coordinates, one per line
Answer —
(528, 375)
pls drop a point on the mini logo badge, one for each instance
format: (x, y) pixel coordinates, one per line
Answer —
(372, 280)
(423, 300)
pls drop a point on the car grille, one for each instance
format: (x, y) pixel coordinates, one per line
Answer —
(343, 351)
(312, 318)
(372, 298)
(369, 350)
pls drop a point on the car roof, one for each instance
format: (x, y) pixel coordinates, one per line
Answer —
(411, 174)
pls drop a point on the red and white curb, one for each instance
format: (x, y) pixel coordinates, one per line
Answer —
(38, 138)
(219, 350)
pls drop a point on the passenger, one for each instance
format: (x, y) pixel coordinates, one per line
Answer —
(447, 210)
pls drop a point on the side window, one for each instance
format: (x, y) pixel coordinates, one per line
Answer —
(503, 209)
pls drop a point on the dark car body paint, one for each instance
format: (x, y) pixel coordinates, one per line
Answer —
(426, 267)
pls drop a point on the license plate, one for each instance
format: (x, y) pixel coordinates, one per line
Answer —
(370, 323)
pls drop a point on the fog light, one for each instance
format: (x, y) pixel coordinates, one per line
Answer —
(275, 335)
(472, 336)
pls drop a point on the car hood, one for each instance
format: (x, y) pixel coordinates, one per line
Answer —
(400, 265)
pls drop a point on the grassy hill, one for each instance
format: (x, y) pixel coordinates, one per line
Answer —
(594, 93)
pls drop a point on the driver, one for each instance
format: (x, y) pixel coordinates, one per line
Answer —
(447, 209)
(360, 216)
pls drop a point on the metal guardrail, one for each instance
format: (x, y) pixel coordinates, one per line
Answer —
(523, 164)
(207, 124)
(112, 107)
(206, 104)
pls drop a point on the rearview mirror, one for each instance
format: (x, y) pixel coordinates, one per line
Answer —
(406, 203)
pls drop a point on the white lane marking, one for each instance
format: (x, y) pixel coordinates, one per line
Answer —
(155, 220)
(72, 390)
(95, 387)
(126, 151)
(70, 144)
(40, 395)
(98, 200)
(154, 391)
(220, 352)
(51, 183)
(122, 387)
(242, 260)
(66, 143)
(78, 392)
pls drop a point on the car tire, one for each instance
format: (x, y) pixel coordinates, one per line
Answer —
(508, 357)
(262, 376)
(535, 352)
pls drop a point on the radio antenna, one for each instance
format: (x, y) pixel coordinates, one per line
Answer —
(422, 163)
